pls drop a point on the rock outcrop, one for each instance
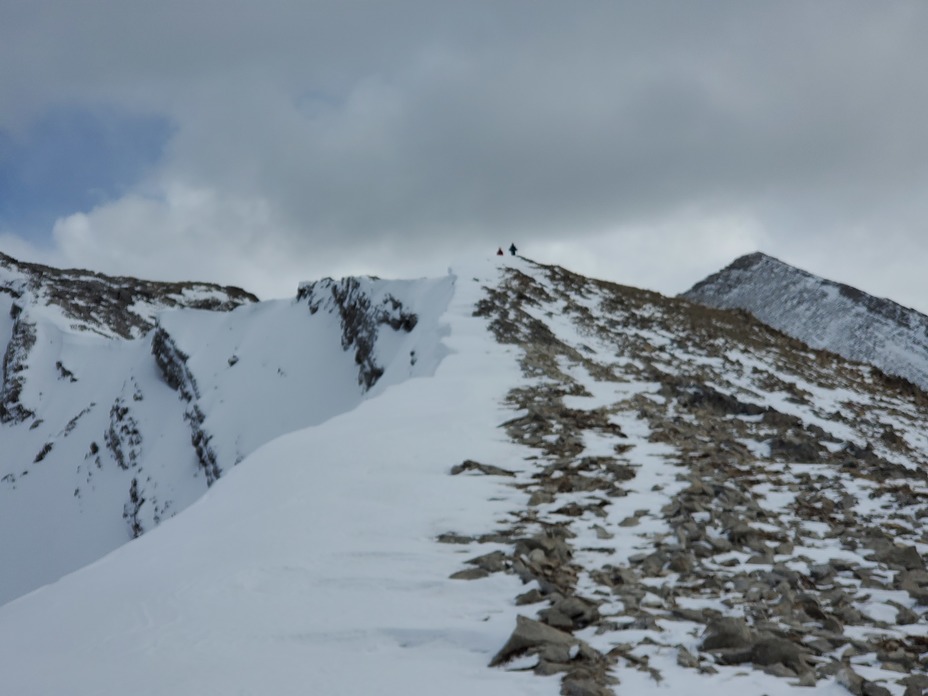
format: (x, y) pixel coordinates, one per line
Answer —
(361, 315)
(12, 410)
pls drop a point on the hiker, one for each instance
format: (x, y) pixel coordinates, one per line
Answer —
(512, 249)
(499, 252)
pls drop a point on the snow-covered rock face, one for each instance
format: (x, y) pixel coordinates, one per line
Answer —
(123, 400)
(822, 313)
(109, 306)
(611, 489)
(21, 341)
(361, 315)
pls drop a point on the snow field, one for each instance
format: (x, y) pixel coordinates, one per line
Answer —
(312, 566)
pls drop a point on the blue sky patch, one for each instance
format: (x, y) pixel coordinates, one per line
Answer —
(72, 159)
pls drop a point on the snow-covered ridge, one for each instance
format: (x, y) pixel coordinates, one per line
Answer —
(822, 313)
(116, 419)
(599, 490)
(107, 305)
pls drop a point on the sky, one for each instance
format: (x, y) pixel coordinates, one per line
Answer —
(650, 143)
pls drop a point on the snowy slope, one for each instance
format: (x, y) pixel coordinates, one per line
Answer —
(310, 567)
(672, 498)
(82, 411)
(822, 313)
(108, 431)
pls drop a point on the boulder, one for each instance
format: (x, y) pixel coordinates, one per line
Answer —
(773, 651)
(494, 562)
(477, 467)
(905, 557)
(584, 687)
(727, 632)
(532, 636)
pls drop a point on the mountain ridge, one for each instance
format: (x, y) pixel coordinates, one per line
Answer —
(111, 305)
(592, 488)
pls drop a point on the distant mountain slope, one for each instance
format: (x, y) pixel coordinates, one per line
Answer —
(822, 313)
(123, 400)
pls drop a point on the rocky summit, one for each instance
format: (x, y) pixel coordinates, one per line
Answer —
(524, 481)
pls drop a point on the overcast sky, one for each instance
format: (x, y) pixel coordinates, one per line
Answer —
(647, 142)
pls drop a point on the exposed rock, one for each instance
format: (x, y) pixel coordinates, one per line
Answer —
(727, 632)
(494, 562)
(770, 651)
(686, 659)
(850, 680)
(570, 613)
(898, 556)
(123, 438)
(872, 689)
(22, 339)
(470, 574)
(695, 395)
(796, 449)
(488, 469)
(540, 498)
(584, 687)
(452, 538)
(531, 635)
(533, 596)
(904, 615)
(360, 318)
(132, 508)
(915, 685)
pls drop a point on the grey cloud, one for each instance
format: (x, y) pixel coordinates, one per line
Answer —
(419, 123)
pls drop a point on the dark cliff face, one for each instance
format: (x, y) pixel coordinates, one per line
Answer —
(822, 313)
(361, 318)
(172, 366)
(112, 305)
(14, 366)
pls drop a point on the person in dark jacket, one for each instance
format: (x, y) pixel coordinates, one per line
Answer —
(512, 249)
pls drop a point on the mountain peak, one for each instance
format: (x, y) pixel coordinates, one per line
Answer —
(753, 259)
(822, 313)
(749, 263)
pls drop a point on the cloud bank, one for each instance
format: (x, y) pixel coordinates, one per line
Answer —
(645, 142)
